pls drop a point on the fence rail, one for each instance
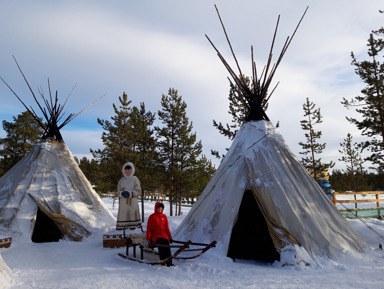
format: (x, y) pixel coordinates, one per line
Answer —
(368, 198)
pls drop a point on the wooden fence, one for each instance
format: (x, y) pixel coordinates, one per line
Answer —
(372, 197)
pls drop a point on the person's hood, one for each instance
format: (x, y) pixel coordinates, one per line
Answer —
(157, 204)
(131, 165)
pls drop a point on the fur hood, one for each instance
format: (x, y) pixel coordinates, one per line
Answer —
(133, 169)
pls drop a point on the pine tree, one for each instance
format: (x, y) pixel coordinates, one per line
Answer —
(351, 155)
(312, 147)
(352, 158)
(23, 133)
(90, 169)
(117, 145)
(178, 147)
(237, 110)
(144, 146)
(338, 180)
(370, 104)
(127, 138)
(203, 174)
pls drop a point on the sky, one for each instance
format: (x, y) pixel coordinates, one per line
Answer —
(144, 48)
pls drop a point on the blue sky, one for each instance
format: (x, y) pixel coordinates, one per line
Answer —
(145, 47)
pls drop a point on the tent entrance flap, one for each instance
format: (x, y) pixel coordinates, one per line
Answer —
(250, 238)
(45, 229)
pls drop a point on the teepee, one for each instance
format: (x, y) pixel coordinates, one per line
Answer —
(261, 203)
(5, 274)
(45, 196)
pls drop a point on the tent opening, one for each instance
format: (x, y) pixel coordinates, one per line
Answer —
(250, 238)
(45, 229)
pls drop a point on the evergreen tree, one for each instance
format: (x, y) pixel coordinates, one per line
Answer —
(128, 137)
(338, 181)
(312, 148)
(90, 169)
(203, 174)
(237, 110)
(178, 148)
(351, 156)
(23, 133)
(117, 149)
(370, 104)
(144, 146)
(367, 182)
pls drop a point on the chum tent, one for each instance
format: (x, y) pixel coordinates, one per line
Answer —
(261, 203)
(5, 274)
(45, 196)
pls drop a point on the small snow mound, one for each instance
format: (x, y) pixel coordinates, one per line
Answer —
(295, 255)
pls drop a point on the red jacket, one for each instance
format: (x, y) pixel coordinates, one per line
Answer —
(157, 226)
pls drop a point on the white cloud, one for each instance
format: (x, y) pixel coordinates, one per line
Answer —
(143, 50)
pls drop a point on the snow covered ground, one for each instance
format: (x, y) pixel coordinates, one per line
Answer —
(88, 265)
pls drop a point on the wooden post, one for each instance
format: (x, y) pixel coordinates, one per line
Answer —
(142, 206)
(377, 198)
(141, 252)
(334, 198)
(355, 203)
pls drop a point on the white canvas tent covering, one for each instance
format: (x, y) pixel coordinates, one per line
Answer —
(261, 201)
(46, 196)
(5, 274)
(47, 182)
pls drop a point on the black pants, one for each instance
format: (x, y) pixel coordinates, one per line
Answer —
(164, 253)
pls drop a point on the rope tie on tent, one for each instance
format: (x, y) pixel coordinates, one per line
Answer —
(368, 226)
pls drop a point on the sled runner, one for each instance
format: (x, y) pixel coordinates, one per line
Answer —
(158, 262)
(201, 248)
(182, 252)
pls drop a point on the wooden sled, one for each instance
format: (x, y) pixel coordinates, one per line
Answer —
(183, 248)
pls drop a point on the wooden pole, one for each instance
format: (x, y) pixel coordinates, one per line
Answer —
(142, 206)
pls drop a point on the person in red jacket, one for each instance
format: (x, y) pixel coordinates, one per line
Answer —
(158, 232)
